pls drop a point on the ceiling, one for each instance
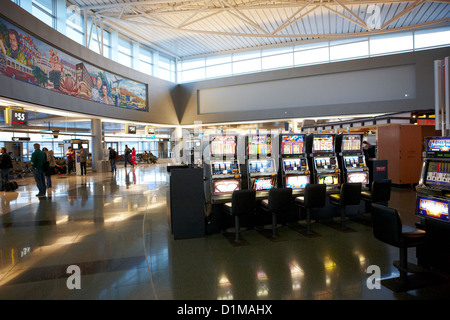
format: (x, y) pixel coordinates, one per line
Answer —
(186, 28)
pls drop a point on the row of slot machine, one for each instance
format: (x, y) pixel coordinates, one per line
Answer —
(329, 159)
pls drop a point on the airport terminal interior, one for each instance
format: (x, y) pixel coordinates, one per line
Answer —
(220, 100)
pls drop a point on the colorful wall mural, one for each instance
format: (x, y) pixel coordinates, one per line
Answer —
(28, 59)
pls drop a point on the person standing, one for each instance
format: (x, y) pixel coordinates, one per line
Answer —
(112, 159)
(127, 156)
(133, 157)
(5, 165)
(51, 166)
(83, 159)
(38, 159)
(70, 160)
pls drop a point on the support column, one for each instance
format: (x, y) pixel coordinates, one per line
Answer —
(96, 144)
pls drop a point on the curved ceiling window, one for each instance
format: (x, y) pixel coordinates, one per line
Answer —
(311, 54)
(432, 38)
(391, 43)
(349, 49)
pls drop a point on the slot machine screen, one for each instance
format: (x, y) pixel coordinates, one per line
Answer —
(224, 168)
(329, 179)
(294, 164)
(261, 166)
(438, 174)
(292, 144)
(354, 162)
(438, 147)
(325, 163)
(355, 177)
(323, 143)
(226, 186)
(433, 208)
(351, 142)
(222, 145)
(297, 182)
(259, 145)
(264, 183)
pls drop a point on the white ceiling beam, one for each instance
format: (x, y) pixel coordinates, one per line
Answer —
(402, 13)
(194, 14)
(243, 17)
(289, 36)
(150, 3)
(358, 21)
(291, 19)
(181, 8)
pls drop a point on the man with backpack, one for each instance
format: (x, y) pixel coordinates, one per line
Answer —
(128, 156)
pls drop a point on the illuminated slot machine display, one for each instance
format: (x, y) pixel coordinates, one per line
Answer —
(323, 160)
(433, 190)
(294, 167)
(225, 169)
(261, 168)
(349, 149)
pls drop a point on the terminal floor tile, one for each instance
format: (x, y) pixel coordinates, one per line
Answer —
(107, 236)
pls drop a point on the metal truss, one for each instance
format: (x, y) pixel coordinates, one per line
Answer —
(185, 16)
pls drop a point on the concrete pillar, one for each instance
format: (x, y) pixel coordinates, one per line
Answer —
(97, 143)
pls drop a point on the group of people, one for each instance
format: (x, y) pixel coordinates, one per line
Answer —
(130, 157)
(70, 154)
(43, 166)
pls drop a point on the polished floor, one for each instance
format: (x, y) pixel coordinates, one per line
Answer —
(114, 229)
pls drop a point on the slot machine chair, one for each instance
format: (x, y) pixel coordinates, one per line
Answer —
(243, 202)
(315, 197)
(380, 192)
(279, 201)
(388, 228)
(349, 195)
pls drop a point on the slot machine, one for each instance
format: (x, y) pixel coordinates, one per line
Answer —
(432, 204)
(349, 149)
(224, 167)
(323, 160)
(261, 167)
(433, 190)
(294, 166)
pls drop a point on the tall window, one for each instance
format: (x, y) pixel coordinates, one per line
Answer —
(74, 26)
(44, 10)
(166, 68)
(95, 44)
(145, 60)
(125, 53)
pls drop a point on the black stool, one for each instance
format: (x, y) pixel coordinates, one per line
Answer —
(349, 195)
(388, 228)
(279, 201)
(315, 197)
(243, 202)
(380, 192)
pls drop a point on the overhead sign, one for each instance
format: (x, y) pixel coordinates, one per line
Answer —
(15, 117)
(130, 129)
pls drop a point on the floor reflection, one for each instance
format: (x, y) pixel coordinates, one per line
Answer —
(116, 229)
